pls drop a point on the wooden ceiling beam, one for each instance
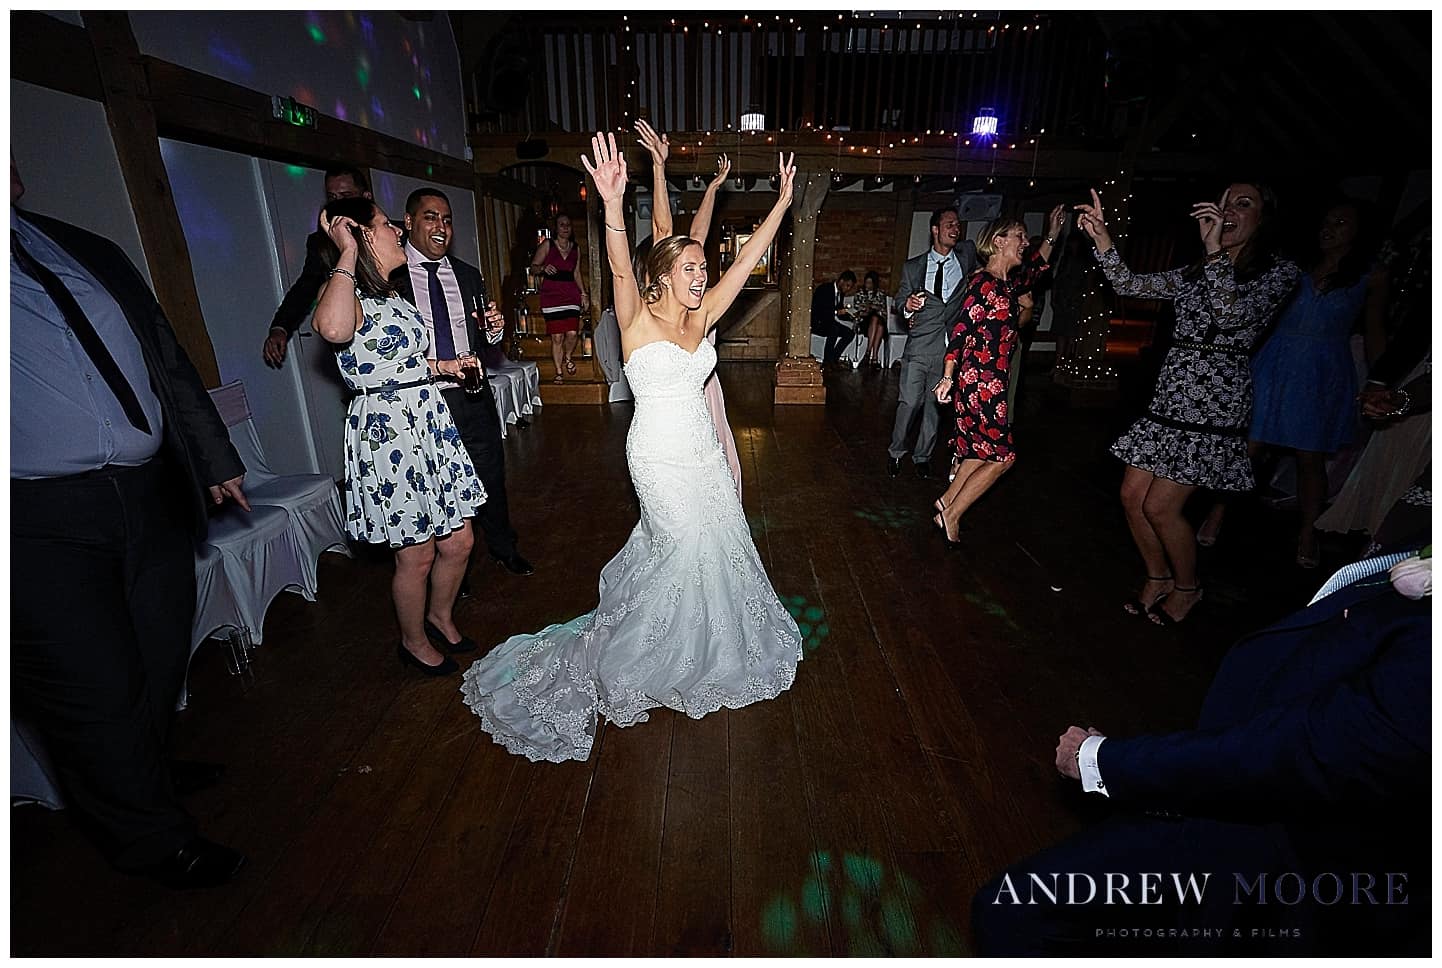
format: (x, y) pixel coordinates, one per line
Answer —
(754, 155)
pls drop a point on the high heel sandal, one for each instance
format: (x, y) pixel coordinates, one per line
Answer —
(570, 367)
(940, 505)
(1137, 608)
(951, 542)
(1160, 618)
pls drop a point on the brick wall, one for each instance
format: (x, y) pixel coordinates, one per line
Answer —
(857, 239)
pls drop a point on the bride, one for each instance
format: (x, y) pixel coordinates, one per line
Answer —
(687, 617)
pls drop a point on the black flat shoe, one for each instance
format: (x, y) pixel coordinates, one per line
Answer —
(443, 644)
(893, 466)
(922, 470)
(200, 863)
(446, 667)
(517, 565)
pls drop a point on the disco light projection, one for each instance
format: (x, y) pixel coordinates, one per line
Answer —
(991, 607)
(810, 622)
(890, 517)
(984, 125)
(877, 908)
(316, 34)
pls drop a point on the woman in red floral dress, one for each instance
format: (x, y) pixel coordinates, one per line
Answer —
(978, 359)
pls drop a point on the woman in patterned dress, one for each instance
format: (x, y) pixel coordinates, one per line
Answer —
(409, 482)
(869, 310)
(563, 294)
(979, 356)
(1194, 433)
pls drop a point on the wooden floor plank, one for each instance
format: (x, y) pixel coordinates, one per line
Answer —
(856, 814)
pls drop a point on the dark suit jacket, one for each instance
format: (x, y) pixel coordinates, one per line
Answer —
(194, 437)
(823, 309)
(473, 289)
(1318, 726)
(301, 296)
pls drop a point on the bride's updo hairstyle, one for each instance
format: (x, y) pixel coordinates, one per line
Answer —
(659, 263)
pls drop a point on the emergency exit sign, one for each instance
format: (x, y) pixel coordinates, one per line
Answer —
(291, 111)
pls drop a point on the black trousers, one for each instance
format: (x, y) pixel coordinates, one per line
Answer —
(480, 426)
(102, 593)
(839, 338)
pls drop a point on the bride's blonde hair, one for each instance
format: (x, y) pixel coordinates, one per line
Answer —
(659, 262)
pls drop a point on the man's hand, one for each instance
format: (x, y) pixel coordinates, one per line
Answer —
(915, 301)
(1067, 747)
(275, 347)
(229, 489)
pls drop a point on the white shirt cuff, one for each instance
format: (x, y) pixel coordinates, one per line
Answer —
(1086, 761)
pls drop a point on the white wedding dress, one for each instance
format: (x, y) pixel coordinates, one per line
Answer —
(687, 617)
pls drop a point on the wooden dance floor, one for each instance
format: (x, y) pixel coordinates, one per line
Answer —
(855, 815)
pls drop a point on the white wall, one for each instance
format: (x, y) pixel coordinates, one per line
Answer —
(371, 68)
(81, 185)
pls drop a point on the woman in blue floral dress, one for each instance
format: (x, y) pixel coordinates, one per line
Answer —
(409, 482)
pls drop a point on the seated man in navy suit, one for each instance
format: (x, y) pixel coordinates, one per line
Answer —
(1293, 820)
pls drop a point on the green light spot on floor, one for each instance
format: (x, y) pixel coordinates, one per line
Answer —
(417, 92)
(778, 923)
(900, 932)
(851, 910)
(822, 860)
(363, 77)
(804, 629)
(814, 898)
(813, 614)
(863, 872)
(316, 34)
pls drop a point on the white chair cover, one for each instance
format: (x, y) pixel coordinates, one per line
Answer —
(258, 560)
(311, 501)
(32, 776)
(896, 333)
(517, 388)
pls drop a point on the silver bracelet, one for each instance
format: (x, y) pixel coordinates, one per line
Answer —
(344, 272)
(614, 229)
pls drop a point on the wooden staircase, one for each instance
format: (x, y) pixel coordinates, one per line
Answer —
(587, 386)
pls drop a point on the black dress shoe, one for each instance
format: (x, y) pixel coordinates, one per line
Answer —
(893, 466)
(200, 863)
(466, 644)
(923, 468)
(445, 668)
(192, 776)
(522, 422)
(516, 565)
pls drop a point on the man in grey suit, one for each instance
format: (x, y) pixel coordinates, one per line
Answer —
(932, 287)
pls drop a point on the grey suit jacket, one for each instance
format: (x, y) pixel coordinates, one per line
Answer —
(930, 328)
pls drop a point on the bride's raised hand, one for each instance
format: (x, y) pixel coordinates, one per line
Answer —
(787, 172)
(723, 168)
(609, 171)
(657, 144)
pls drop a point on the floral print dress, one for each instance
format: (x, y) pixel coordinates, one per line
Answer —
(982, 342)
(407, 476)
(1195, 428)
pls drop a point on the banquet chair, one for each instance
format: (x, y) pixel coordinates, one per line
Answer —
(896, 334)
(311, 502)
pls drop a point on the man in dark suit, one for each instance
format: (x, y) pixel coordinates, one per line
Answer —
(438, 283)
(115, 452)
(1303, 793)
(344, 182)
(830, 319)
(932, 287)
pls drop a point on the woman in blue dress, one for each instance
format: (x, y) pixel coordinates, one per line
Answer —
(409, 482)
(1304, 378)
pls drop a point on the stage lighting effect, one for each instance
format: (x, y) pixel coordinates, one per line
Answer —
(890, 517)
(991, 607)
(810, 621)
(881, 912)
(984, 124)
